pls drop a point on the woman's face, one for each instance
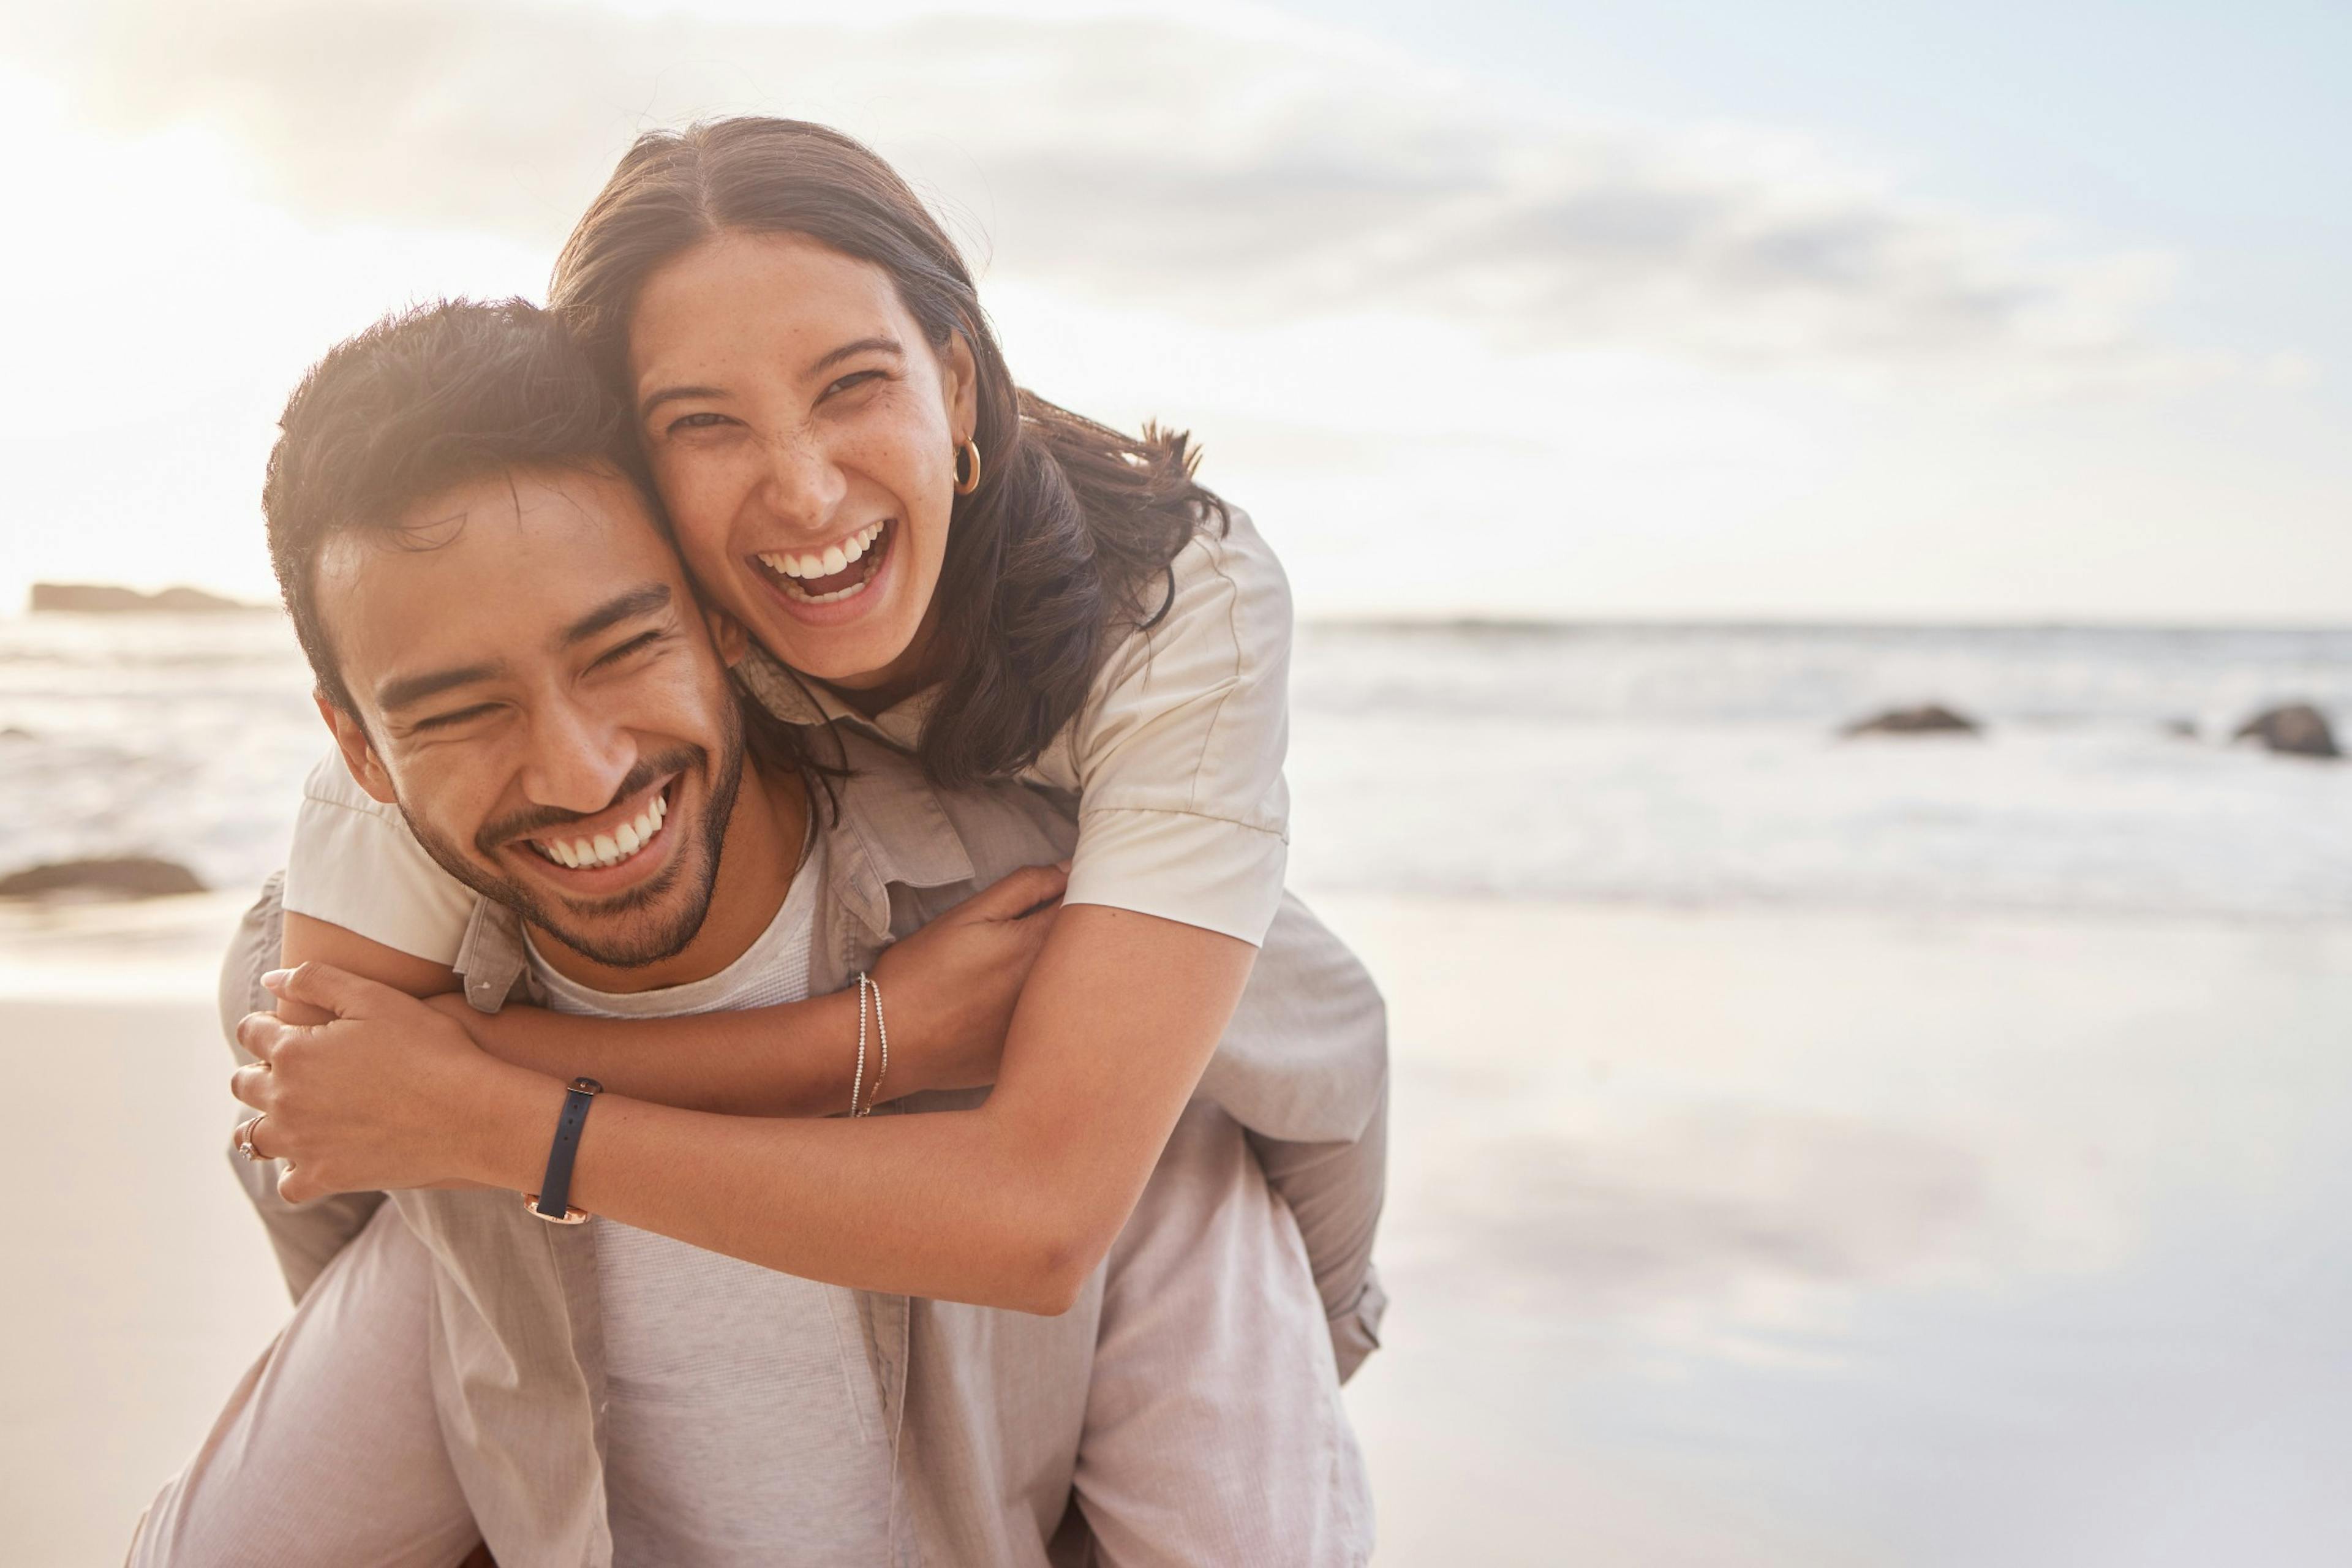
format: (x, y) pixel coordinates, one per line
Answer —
(804, 433)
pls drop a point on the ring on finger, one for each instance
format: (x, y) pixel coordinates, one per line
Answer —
(245, 1138)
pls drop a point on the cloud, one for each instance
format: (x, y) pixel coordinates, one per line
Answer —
(1228, 173)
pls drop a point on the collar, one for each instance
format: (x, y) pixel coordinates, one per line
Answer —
(890, 828)
(798, 701)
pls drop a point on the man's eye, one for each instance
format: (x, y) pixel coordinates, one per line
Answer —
(445, 720)
(636, 644)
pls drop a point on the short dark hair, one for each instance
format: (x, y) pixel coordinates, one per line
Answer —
(424, 400)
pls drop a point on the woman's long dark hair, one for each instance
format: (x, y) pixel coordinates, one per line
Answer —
(1066, 541)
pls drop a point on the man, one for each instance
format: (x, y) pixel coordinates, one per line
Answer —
(513, 657)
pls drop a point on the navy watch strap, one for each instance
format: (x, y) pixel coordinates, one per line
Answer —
(553, 1201)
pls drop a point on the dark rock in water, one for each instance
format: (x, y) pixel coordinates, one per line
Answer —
(131, 877)
(1930, 720)
(2298, 730)
(2185, 729)
(96, 598)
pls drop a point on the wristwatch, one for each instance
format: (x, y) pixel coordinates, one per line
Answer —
(551, 1202)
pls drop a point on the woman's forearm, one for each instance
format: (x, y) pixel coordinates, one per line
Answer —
(794, 1059)
(1010, 1204)
(951, 987)
(956, 1205)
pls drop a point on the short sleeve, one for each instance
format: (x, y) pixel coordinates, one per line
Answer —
(356, 864)
(1177, 757)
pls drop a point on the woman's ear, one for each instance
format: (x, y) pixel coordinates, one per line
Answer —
(962, 374)
(367, 769)
(727, 635)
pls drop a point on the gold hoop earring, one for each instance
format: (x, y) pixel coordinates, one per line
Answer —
(965, 485)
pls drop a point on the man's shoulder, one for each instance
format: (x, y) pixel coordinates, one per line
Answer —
(984, 831)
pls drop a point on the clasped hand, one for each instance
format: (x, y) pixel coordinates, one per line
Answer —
(379, 1097)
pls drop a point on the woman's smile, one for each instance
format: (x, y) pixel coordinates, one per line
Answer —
(836, 573)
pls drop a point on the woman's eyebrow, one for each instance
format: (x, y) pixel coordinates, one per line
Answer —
(863, 345)
(672, 394)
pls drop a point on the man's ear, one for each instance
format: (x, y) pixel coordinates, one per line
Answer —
(727, 635)
(358, 751)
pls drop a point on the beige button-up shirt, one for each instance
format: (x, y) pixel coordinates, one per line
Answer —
(984, 1408)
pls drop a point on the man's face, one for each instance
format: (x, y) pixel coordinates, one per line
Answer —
(539, 693)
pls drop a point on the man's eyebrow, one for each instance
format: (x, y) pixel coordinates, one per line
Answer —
(414, 688)
(628, 606)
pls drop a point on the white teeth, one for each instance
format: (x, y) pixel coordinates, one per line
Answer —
(834, 558)
(608, 850)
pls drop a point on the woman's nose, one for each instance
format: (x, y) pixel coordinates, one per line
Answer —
(803, 483)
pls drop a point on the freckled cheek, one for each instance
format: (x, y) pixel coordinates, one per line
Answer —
(703, 494)
(905, 459)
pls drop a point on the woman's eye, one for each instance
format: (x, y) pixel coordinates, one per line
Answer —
(853, 379)
(696, 422)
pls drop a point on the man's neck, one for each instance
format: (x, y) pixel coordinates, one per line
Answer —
(758, 857)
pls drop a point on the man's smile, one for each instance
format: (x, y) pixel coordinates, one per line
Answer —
(620, 835)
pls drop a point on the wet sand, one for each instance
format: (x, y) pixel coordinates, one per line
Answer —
(1738, 1238)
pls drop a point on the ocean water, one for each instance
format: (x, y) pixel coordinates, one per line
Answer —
(1653, 765)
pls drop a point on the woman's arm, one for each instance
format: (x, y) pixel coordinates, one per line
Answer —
(950, 989)
(1008, 1205)
(311, 941)
(788, 1060)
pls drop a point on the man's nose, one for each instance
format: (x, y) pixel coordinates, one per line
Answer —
(803, 484)
(577, 763)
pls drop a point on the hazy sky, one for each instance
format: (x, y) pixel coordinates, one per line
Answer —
(2002, 312)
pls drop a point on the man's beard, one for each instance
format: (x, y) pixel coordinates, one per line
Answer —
(578, 924)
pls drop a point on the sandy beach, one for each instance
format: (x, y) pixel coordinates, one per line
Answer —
(1713, 1237)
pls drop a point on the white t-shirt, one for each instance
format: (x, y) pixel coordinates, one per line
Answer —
(1174, 763)
(743, 1423)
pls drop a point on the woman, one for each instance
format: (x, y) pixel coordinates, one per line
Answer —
(1007, 590)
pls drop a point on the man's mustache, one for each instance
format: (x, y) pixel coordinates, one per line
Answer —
(534, 819)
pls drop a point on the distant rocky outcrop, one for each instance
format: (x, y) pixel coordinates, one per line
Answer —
(100, 598)
(129, 877)
(1930, 719)
(2298, 730)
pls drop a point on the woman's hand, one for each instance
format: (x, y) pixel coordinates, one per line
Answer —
(387, 1094)
(949, 988)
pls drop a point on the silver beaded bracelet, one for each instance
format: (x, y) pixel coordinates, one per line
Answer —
(867, 983)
